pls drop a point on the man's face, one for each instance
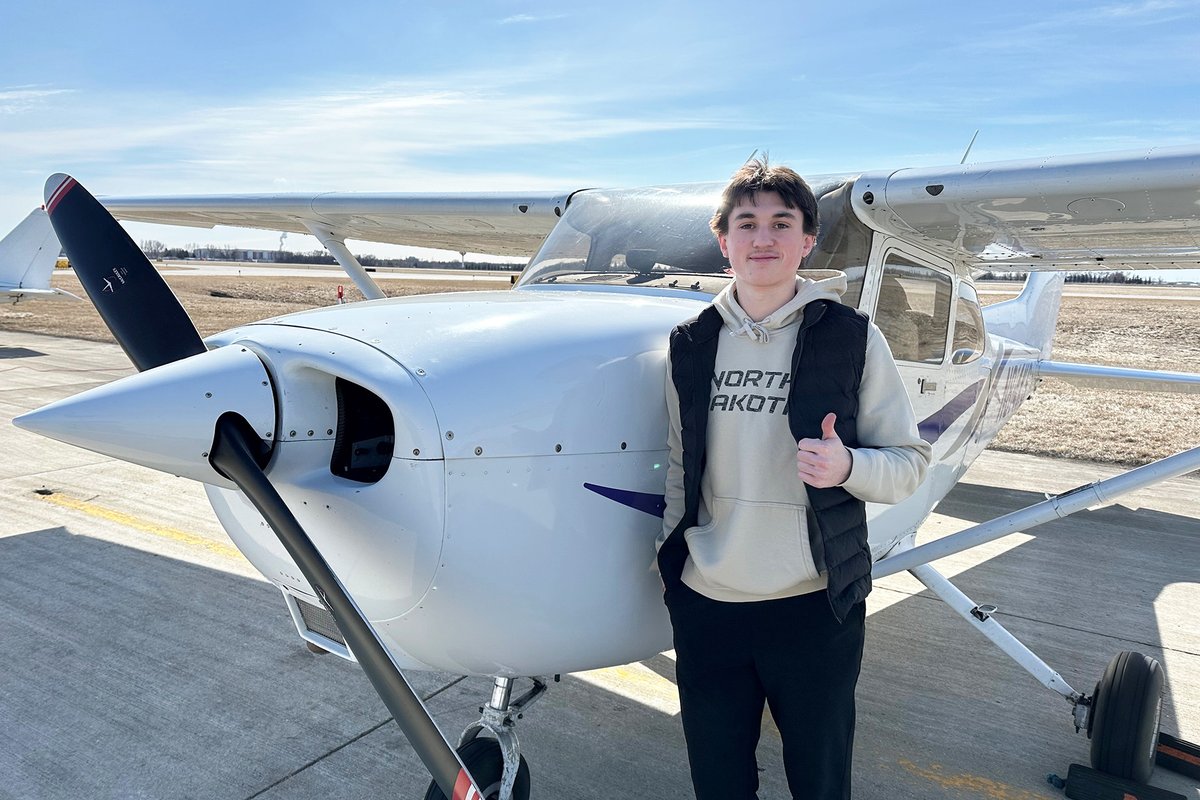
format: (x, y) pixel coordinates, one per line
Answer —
(766, 242)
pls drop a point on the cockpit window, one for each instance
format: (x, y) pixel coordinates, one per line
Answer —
(656, 237)
(968, 326)
(913, 310)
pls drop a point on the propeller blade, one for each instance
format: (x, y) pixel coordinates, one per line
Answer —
(236, 454)
(133, 300)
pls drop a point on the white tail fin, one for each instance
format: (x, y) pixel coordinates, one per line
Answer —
(1030, 317)
(27, 257)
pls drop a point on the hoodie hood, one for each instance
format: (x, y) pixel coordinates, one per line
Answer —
(825, 284)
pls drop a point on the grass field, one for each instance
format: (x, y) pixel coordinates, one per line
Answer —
(1143, 327)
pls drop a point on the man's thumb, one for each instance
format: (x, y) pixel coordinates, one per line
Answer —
(827, 431)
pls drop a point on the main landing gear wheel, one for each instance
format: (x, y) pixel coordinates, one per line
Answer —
(1126, 709)
(485, 762)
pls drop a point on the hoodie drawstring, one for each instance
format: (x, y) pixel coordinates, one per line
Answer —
(753, 330)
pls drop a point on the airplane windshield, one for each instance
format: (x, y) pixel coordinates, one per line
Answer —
(659, 237)
(656, 236)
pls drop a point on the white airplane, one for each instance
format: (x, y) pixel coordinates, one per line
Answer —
(27, 258)
(461, 482)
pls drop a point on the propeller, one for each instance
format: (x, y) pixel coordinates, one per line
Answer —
(133, 300)
(151, 326)
(234, 455)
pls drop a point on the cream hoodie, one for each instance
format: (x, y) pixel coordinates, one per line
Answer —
(751, 541)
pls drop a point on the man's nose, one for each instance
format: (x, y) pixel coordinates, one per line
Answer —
(764, 237)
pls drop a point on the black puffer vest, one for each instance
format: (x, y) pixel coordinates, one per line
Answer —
(827, 367)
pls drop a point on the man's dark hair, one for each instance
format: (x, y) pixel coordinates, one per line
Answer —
(755, 176)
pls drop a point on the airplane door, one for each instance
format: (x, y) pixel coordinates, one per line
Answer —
(912, 309)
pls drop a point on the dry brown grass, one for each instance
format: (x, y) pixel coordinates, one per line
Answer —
(237, 300)
(1060, 420)
(1118, 427)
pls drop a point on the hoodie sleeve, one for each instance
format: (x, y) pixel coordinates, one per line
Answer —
(891, 459)
(674, 494)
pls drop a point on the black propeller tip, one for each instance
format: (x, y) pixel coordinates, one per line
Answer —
(133, 299)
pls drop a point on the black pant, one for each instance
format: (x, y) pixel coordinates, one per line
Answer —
(791, 653)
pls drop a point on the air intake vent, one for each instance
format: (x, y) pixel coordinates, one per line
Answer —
(366, 435)
(319, 621)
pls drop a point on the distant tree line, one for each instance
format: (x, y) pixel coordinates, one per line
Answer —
(157, 250)
(1075, 277)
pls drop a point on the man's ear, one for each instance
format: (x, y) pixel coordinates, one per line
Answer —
(721, 242)
(810, 241)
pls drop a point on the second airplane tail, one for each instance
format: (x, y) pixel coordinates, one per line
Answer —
(27, 257)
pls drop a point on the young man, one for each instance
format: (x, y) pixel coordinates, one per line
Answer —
(786, 413)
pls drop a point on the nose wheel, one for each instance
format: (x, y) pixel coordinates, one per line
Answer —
(496, 764)
(484, 759)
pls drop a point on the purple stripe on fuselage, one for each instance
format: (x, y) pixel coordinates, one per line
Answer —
(652, 504)
(932, 427)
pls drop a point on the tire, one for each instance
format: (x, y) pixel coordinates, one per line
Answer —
(485, 762)
(1126, 709)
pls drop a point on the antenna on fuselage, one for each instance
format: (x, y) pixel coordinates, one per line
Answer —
(969, 146)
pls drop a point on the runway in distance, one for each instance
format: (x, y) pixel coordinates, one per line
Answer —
(473, 482)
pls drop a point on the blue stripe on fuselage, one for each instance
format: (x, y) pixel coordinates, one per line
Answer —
(932, 427)
(652, 504)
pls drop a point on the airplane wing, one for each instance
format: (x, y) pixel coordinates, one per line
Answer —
(494, 223)
(1122, 210)
(1108, 211)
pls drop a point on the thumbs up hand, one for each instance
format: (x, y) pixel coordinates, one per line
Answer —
(823, 462)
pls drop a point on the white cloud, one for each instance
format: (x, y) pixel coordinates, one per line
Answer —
(19, 99)
(392, 136)
(524, 18)
(1161, 9)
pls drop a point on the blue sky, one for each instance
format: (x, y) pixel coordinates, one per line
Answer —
(221, 97)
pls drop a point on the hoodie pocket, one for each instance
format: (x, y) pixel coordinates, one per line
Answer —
(753, 548)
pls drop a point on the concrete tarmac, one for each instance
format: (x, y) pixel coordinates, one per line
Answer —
(142, 657)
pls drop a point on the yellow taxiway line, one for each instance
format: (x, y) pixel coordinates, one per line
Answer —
(130, 521)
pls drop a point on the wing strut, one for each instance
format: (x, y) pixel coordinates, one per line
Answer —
(1063, 505)
(336, 245)
(981, 618)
